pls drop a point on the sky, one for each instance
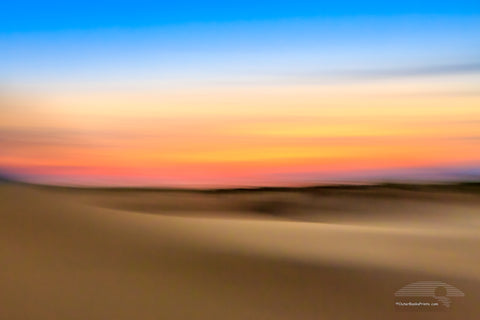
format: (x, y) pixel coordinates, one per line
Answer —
(246, 93)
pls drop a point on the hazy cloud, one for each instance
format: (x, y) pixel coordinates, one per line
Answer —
(438, 70)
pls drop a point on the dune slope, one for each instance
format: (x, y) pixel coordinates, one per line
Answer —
(68, 257)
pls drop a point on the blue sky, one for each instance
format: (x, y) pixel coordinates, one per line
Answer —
(232, 50)
(223, 41)
(21, 16)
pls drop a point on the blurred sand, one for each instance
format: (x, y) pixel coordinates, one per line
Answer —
(138, 254)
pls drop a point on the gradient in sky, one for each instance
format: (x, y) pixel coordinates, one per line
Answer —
(239, 93)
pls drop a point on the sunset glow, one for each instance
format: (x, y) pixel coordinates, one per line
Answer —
(264, 101)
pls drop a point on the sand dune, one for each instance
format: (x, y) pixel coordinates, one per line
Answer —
(73, 254)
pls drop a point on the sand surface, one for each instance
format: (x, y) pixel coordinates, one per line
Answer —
(92, 254)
